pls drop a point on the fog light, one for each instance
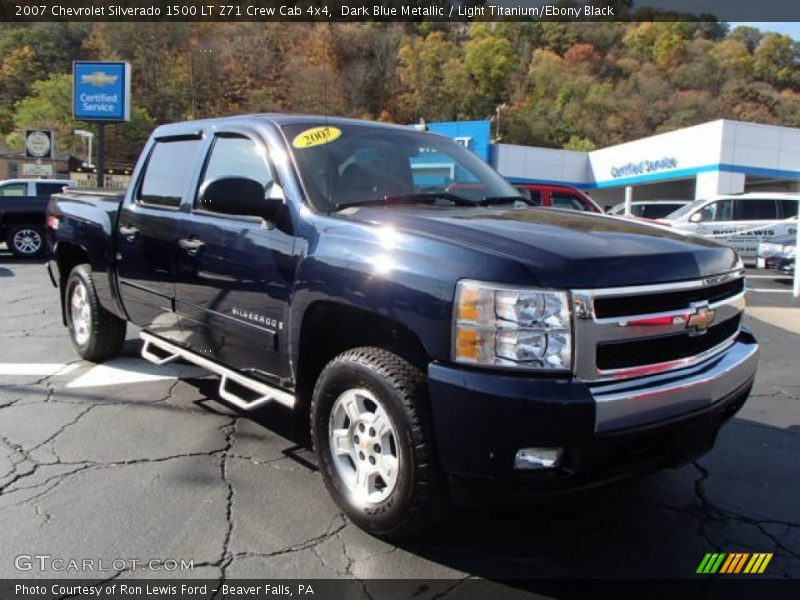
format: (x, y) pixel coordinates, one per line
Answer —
(537, 458)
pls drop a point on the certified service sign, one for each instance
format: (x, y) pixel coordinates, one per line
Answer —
(101, 91)
(38, 143)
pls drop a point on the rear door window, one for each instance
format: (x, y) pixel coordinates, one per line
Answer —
(535, 197)
(752, 209)
(787, 209)
(14, 189)
(168, 170)
(48, 189)
(659, 211)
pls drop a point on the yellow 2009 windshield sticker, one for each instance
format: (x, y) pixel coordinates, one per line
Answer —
(316, 136)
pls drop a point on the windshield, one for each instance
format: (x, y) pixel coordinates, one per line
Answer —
(347, 165)
(685, 210)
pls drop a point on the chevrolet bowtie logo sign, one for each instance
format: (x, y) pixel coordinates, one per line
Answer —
(99, 79)
(700, 319)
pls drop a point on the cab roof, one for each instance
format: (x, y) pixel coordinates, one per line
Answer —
(278, 119)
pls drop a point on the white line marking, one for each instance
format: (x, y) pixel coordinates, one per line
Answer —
(36, 369)
(121, 371)
(766, 291)
(767, 277)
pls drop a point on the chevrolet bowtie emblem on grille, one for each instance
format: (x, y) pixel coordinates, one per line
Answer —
(700, 319)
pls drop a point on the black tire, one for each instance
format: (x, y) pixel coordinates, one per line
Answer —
(105, 334)
(418, 498)
(26, 240)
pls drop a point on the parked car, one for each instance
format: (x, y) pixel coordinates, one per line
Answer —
(649, 209)
(439, 343)
(559, 196)
(741, 221)
(779, 254)
(22, 209)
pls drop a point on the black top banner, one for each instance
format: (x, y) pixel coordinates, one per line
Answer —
(399, 10)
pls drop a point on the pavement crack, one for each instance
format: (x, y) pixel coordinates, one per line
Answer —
(332, 531)
(62, 429)
(447, 591)
(720, 514)
(226, 556)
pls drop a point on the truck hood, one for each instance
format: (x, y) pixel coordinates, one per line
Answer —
(563, 249)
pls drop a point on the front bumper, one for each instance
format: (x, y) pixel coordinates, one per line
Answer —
(609, 431)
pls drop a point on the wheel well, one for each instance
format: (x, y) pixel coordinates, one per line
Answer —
(67, 256)
(329, 329)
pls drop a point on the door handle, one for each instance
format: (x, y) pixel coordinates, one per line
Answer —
(129, 231)
(191, 245)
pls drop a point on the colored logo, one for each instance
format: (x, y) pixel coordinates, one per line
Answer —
(701, 319)
(734, 563)
(99, 78)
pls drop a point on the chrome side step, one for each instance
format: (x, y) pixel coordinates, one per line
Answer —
(265, 393)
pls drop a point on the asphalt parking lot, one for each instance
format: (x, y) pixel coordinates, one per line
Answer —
(126, 461)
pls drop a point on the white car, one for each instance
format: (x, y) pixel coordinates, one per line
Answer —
(32, 187)
(649, 209)
(742, 221)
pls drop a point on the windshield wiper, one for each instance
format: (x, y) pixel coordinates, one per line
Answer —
(426, 198)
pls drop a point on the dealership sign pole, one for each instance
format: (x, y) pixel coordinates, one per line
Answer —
(101, 92)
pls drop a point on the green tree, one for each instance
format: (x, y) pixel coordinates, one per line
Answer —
(749, 36)
(434, 79)
(491, 61)
(776, 61)
(733, 56)
(50, 107)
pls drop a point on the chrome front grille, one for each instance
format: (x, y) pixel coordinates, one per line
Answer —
(629, 332)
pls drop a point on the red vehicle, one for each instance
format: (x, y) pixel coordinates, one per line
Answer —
(559, 196)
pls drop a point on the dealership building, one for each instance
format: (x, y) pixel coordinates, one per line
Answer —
(719, 157)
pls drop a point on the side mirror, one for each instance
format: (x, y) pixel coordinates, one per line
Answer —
(696, 217)
(241, 196)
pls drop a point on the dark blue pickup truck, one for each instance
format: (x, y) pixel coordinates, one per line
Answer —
(443, 337)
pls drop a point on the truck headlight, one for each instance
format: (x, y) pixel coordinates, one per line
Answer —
(497, 325)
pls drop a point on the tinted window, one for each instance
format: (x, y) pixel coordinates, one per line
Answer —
(168, 168)
(568, 201)
(234, 156)
(659, 211)
(637, 210)
(722, 210)
(787, 208)
(535, 197)
(47, 189)
(755, 210)
(13, 189)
